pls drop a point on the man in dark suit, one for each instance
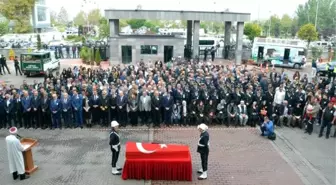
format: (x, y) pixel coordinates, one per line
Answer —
(35, 106)
(113, 106)
(285, 114)
(77, 105)
(104, 109)
(168, 104)
(45, 111)
(156, 104)
(8, 110)
(95, 102)
(26, 104)
(121, 103)
(55, 112)
(203, 149)
(66, 107)
(2, 111)
(18, 110)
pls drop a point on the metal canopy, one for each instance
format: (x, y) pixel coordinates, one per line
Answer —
(177, 15)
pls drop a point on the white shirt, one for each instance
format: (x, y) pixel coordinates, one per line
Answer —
(279, 97)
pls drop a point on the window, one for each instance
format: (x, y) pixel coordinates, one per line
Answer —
(149, 50)
(41, 14)
(206, 42)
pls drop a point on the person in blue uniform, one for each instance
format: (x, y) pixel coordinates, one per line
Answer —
(115, 147)
(203, 149)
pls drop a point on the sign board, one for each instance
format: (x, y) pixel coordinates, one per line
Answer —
(32, 66)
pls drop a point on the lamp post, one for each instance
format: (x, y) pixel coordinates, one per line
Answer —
(270, 25)
(317, 8)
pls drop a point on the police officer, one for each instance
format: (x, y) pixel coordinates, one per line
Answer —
(115, 147)
(17, 66)
(328, 118)
(203, 149)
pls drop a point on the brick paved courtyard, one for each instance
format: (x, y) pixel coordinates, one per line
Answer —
(238, 156)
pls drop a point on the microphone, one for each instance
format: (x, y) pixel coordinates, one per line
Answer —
(20, 137)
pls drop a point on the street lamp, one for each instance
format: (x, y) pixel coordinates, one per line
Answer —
(270, 24)
(317, 7)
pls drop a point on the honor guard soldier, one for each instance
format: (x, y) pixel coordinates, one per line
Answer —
(115, 147)
(203, 149)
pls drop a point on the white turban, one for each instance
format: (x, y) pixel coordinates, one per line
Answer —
(114, 124)
(203, 127)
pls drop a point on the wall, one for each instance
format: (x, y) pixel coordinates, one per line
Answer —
(137, 41)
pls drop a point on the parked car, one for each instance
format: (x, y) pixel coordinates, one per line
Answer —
(322, 67)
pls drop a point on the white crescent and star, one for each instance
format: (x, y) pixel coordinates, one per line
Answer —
(143, 150)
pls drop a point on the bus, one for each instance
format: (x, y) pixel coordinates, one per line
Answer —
(279, 52)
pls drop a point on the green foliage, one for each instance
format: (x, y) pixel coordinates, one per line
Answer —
(85, 54)
(136, 23)
(19, 11)
(39, 44)
(3, 27)
(252, 30)
(104, 28)
(94, 16)
(326, 13)
(80, 19)
(74, 38)
(97, 57)
(316, 52)
(286, 24)
(275, 23)
(83, 40)
(308, 32)
(92, 54)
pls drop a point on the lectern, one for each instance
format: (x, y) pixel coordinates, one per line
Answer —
(28, 144)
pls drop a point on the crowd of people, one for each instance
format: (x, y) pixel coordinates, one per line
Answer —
(165, 95)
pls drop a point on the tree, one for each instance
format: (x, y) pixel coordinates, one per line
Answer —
(136, 23)
(294, 27)
(80, 19)
(53, 18)
(63, 17)
(39, 44)
(308, 32)
(104, 28)
(3, 27)
(19, 11)
(94, 17)
(97, 56)
(316, 52)
(306, 13)
(252, 30)
(286, 24)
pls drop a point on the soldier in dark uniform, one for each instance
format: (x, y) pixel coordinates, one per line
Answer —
(203, 149)
(115, 147)
(328, 119)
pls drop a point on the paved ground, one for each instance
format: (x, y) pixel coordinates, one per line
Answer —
(239, 156)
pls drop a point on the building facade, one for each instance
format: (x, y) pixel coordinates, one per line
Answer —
(134, 48)
(41, 15)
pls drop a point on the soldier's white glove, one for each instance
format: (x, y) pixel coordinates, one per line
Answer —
(115, 148)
